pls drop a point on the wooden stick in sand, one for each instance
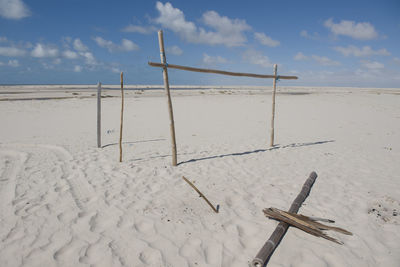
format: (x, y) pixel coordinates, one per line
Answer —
(237, 74)
(166, 85)
(99, 115)
(266, 251)
(273, 107)
(122, 117)
(201, 195)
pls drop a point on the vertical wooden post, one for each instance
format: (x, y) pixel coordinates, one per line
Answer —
(122, 117)
(166, 85)
(99, 115)
(273, 106)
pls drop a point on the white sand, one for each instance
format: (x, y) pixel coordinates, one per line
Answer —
(63, 202)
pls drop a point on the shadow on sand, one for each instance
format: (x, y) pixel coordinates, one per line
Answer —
(258, 151)
(135, 142)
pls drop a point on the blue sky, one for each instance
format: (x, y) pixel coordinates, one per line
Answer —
(325, 43)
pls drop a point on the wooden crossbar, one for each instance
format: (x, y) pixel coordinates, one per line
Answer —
(161, 65)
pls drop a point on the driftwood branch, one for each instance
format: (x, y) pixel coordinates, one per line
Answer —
(201, 195)
(304, 223)
(179, 67)
(266, 251)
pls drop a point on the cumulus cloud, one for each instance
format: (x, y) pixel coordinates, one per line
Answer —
(10, 51)
(300, 56)
(79, 46)
(77, 68)
(139, 29)
(115, 69)
(41, 51)
(210, 60)
(226, 31)
(13, 9)
(257, 58)
(13, 63)
(372, 65)
(125, 46)
(265, 40)
(89, 58)
(359, 31)
(365, 51)
(325, 61)
(174, 50)
(70, 54)
(305, 34)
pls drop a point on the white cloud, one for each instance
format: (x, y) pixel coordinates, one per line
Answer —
(79, 46)
(325, 61)
(9, 51)
(89, 58)
(115, 69)
(228, 32)
(305, 34)
(42, 50)
(300, 56)
(265, 40)
(174, 50)
(13, 63)
(57, 61)
(126, 45)
(1, 63)
(396, 60)
(70, 54)
(257, 58)
(372, 65)
(13, 9)
(139, 29)
(77, 68)
(3, 39)
(365, 51)
(360, 31)
(210, 60)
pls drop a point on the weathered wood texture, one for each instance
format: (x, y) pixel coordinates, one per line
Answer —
(166, 85)
(304, 223)
(99, 115)
(266, 251)
(273, 107)
(162, 65)
(122, 117)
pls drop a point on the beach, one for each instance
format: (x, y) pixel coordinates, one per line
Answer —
(65, 202)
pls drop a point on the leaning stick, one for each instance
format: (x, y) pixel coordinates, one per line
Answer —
(201, 194)
(122, 116)
(266, 251)
(166, 85)
(240, 74)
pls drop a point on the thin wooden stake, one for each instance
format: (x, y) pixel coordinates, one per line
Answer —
(166, 85)
(122, 116)
(201, 195)
(266, 251)
(273, 107)
(99, 115)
